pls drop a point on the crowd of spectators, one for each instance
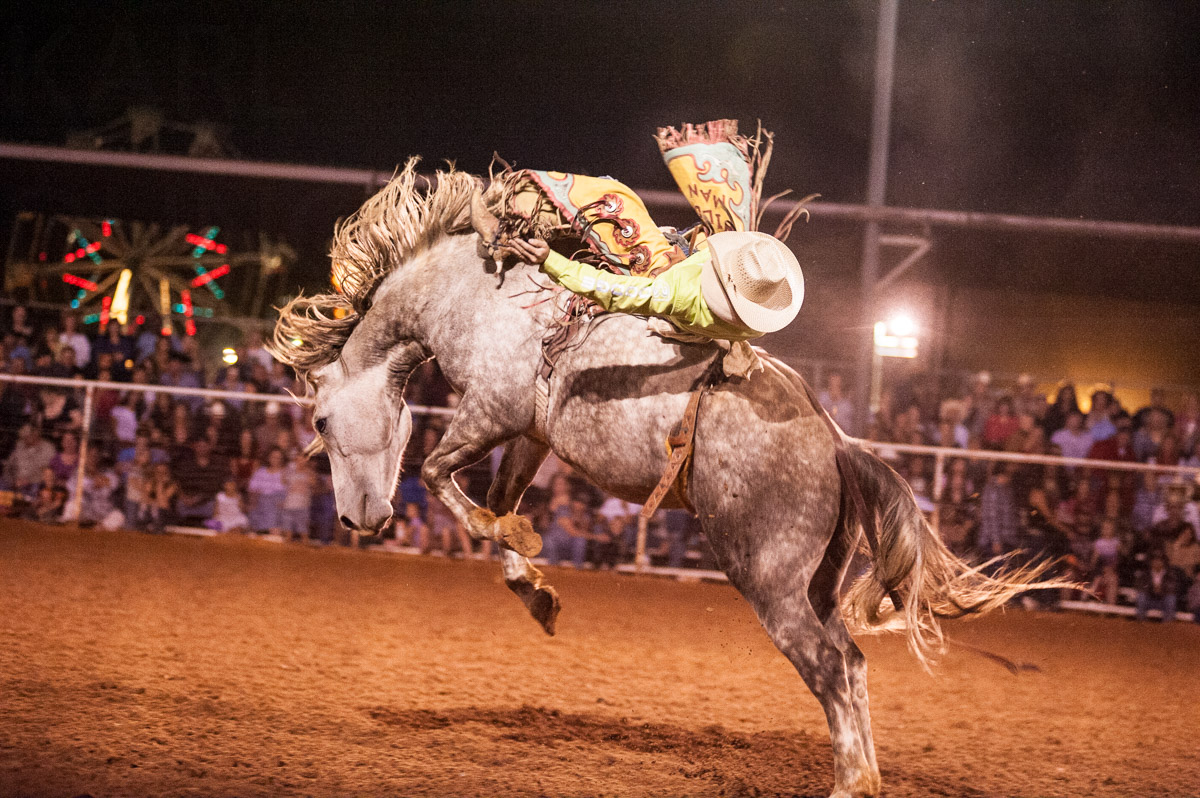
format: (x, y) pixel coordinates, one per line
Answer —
(1124, 533)
(155, 459)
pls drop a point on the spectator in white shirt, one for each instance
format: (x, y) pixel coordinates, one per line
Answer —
(836, 403)
(23, 468)
(125, 417)
(1073, 440)
(70, 336)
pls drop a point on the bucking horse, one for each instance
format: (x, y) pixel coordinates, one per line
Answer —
(764, 478)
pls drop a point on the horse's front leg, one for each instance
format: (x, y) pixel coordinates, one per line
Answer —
(470, 437)
(521, 460)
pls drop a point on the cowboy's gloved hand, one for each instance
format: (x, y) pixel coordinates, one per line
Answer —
(533, 250)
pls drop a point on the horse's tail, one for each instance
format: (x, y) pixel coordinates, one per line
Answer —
(914, 564)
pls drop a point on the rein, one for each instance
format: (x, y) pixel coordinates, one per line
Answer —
(557, 340)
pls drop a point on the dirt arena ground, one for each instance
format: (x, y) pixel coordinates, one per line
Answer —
(133, 665)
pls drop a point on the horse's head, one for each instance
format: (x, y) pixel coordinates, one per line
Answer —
(357, 348)
(365, 425)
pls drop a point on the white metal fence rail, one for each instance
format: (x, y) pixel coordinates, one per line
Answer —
(940, 454)
(89, 388)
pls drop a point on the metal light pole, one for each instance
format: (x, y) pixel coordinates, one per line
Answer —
(881, 121)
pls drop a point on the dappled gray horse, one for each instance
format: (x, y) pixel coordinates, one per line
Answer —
(764, 480)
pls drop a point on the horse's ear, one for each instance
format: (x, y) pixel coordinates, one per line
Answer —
(468, 216)
(320, 375)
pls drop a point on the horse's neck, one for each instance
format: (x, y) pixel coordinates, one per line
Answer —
(465, 316)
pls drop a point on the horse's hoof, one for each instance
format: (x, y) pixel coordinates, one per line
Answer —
(517, 534)
(481, 520)
(544, 607)
(865, 785)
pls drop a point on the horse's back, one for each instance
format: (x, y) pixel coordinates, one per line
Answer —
(761, 448)
(615, 393)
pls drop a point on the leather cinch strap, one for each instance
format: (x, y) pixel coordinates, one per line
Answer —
(680, 442)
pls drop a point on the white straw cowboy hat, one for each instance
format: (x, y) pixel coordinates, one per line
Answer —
(753, 280)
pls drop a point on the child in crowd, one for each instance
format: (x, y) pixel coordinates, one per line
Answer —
(1106, 552)
(163, 490)
(229, 516)
(1157, 588)
(412, 530)
(246, 462)
(299, 481)
(95, 505)
(267, 492)
(607, 538)
(51, 498)
(66, 462)
(444, 527)
(139, 484)
(959, 509)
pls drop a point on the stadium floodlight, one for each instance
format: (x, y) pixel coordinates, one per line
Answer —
(896, 337)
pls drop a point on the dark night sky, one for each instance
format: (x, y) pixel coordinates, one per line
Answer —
(1072, 108)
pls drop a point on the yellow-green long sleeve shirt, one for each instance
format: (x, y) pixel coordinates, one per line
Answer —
(674, 294)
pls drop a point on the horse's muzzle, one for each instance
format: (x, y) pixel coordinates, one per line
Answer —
(371, 518)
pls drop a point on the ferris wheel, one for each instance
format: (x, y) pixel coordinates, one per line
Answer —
(118, 271)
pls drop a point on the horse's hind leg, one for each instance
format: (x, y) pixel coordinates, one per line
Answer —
(522, 458)
(856, 673)
(824, 594)
(793, 625)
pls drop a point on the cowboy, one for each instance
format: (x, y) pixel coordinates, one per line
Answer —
(737, 286)
(719, 280)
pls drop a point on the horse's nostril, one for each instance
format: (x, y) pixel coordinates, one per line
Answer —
(346, 522)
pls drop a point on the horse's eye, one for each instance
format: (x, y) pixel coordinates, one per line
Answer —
(320, 425)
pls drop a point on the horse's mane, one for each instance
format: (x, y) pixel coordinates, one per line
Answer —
(406, 217)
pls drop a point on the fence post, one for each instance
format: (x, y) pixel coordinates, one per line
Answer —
(85, 431)
(639, 557)
(939, 475)
(939, 484)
